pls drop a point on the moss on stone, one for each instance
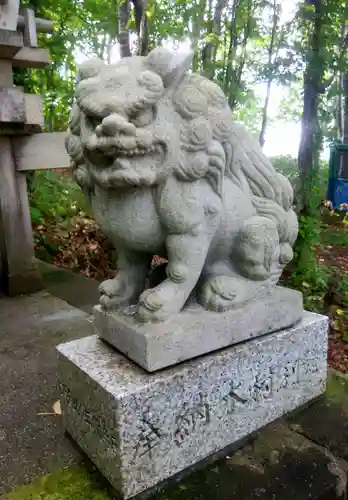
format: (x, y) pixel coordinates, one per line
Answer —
(73, 483)
(337, 390)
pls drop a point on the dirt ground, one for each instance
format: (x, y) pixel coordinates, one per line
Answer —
(333, 254)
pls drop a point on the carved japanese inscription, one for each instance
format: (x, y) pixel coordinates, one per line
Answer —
(222, 402)
(186, 422)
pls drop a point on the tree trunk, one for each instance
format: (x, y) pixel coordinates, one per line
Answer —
(101, 51)
(345, 110)
(233, 75)
(340, 98)
(232, 48)
(210, 49)
(262, 138)
(306, 155)
(123, 32)
(197, 25)
(141, 26)
(339, 111)
(313, 81)
(238, 72)
(270, 76)
(109, 48)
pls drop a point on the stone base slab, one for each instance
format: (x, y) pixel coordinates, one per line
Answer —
(195, 331)
(141, 429)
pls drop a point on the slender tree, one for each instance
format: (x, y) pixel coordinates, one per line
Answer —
(273, 49)
(213, 41)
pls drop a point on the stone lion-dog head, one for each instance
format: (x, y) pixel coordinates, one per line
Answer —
(132, 121)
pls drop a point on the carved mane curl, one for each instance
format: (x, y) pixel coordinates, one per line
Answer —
(223, 148)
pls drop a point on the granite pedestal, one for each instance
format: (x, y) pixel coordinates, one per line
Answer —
(142, 428)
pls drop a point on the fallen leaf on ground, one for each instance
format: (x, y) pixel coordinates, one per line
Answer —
(57, 410)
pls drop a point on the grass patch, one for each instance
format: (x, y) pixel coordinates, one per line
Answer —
(337, 388)
(74, 483)
(343, 289)
(335, 238)
(54, 196)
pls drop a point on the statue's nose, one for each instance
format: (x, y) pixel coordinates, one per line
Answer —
(115, 124)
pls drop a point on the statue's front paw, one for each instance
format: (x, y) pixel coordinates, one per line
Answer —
(112, 293)
(156, 305)
(110, 287)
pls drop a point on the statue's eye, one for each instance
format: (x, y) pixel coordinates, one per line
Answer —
(92, 122)
(143, 117)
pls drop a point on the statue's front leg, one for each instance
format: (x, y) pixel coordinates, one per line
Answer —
(129, 282)
(186, 257)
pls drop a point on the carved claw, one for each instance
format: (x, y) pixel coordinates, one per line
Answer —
(150, 307)
(218, 286)
(144, 315)
(221, 293)
(151, 300)
(217, 295)
(112, 293)
(155, 306)
(110, 287)
(109, 303)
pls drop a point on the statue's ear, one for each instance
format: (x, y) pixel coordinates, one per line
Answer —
(89, 68)
(169, 65)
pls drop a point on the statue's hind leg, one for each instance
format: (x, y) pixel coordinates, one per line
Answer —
(251, 270)
(220, 292)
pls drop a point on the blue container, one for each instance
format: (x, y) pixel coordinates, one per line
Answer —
(337, 191)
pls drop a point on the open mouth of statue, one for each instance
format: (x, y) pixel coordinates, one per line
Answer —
(105, 152)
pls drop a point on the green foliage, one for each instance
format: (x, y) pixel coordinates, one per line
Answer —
(335, 238)
(307, 241)
(246, 48)
(343, 289)
(314, 283)
(248, 110)
(288, 166)
(54, 196)
(307, 275)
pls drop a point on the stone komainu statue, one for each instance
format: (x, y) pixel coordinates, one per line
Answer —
(168, 172)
